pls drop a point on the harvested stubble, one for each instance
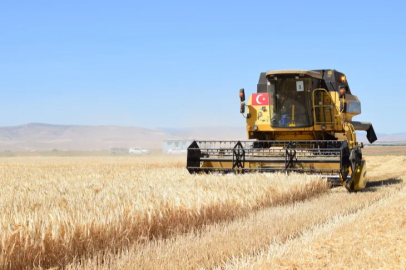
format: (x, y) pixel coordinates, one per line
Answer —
(54, 210)
(372, 238)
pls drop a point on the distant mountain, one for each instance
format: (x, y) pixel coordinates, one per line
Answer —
(386, 134)
(36, 136)
(45, 137)
(382, 138)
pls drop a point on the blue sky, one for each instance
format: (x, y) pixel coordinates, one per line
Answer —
(181, 63)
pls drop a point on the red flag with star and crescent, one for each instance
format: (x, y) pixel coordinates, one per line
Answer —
(260, 99)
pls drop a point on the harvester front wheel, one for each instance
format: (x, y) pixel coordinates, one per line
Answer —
(358, 179)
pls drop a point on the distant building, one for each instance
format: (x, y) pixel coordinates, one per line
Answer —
(180, 143)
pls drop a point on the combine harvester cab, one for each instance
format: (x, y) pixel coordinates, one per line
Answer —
(298, 121)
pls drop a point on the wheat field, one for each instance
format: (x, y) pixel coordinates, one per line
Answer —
(149, 213)
(54, 211)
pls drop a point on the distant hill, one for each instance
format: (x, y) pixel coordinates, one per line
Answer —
(45, 137)
(37, 137)
(383, 138)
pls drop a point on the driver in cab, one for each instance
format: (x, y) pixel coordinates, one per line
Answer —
(291, 105)
(290, 99)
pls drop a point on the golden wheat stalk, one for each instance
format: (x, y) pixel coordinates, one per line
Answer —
(55, 210)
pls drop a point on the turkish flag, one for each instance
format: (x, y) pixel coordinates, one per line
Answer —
(260, 99)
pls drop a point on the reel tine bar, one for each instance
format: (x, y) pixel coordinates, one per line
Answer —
(233, 156)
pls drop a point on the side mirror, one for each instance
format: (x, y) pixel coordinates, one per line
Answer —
(242, 108)
(242, 95)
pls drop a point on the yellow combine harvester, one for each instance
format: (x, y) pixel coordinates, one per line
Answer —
(298, 121)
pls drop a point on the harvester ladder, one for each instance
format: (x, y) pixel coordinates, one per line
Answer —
(327, 111)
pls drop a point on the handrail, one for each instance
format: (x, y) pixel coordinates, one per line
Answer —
(324, 106)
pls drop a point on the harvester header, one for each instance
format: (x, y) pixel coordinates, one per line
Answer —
(298, 120)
